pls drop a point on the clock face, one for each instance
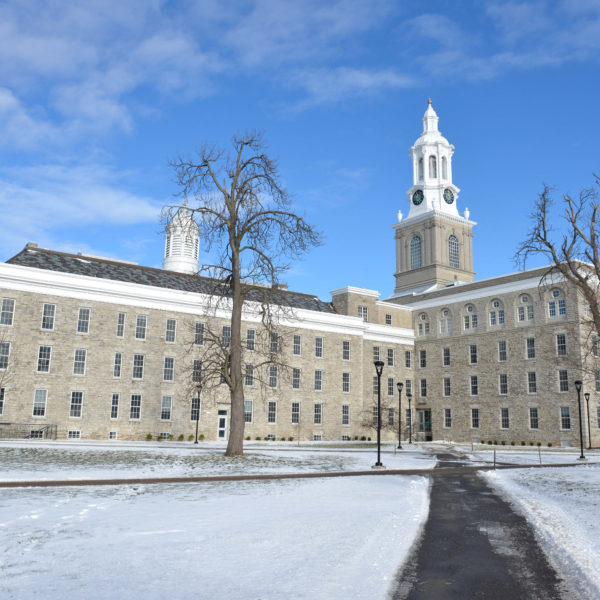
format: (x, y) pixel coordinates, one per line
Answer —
(417, 197)
(448, 196)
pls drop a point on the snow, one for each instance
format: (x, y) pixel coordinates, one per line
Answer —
(314, 538)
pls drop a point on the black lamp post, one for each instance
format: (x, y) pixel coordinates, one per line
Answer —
(379, 369)
(587, 401)
(578, 385)
(409, 396)
(199, 386)
(400, 385)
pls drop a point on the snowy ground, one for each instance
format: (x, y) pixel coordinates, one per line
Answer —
(326, 539)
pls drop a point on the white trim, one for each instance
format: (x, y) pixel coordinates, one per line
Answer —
(355, 290)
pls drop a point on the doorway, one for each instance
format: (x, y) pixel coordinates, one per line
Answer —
(222, 425)
(424, 424)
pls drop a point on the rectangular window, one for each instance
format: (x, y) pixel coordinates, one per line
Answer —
(375, 353)
(79, 361)
(492, 317)
(249, 375)
(598, 415)
(390, 417)
(296, 379)
(388, 319)
(597, 380)
(531, 382)
(595, 345)
(318, 380)
(552, 308)
(423, 358)
(375, 417)
(561, 344)
(390, 386)
(135, 408)
(170, 330)
(121, 325)
(295, 413)
(272, 413)
(562, 307)
(318, 414)
(423, 388)
(475, 418)
(76, 402)
(346, 383)
(83, 320)
(363, 313)
(501, 317)
(4, 353)
(502, 351)
(474, 385)
(530, 312)
(345, 350)
(138, 366)
(446, 357)
(563, 381)
(114, 406)
(141, 323)
(565, 417)
(319, 347)
(530, 347)
(74, 434)
(467, 322)
(408, 386)
(197, 371)
(375, 385)
(273, 376)
(447, 417)
(195, 409)
(117, 365)
(247, 411)
(48, 316)
(473, 321)
(447, 388)
(7, 311)
(390, 357)
(165, 408)
(112, 435)
(250, 339)
(169, 369)
(503, 383)
(2, 400)
(44, 354)
(297, 345)
(226, 336)
(534, 421)
(504, 418)
(521, 313)
(274, 343)
(473, 354)
(345, 414)
(199, 334)
(407, 359)
(39, 403)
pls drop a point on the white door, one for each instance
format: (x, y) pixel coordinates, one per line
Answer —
(222, 425)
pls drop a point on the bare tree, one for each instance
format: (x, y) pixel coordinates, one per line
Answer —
(247, 222)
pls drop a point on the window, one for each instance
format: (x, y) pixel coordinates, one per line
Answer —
(296, 379)
(297, 345)
(502, 350)
(598, 415)
(7, 311)
(390, 417)
(249, 377)
(525, 309)
(534, 421)
(272, 412)
(473, 354)
(83, 320)
(197, 371)
(79, 361)
(39, 403)
(165, 408)
(345, 350)
(295, 413)
(562, 307)
(273, 376)
(470, 319)
(346, 383)
(423, 325)
(423, 358)
(390, 386)
(76, 401)
(408, 387)
(421, 169)
(597, 380)
(447, 388)
(446, 321)
(74, 434)
(138, 366)
(444, 167)
(447, 417)
(318, 380)
(390, 357)
(453, 252)
(552, 308)
(423, 388)
(503, 383)
(432, 167)
(474, 385)
(407, 359)
(319, 347)
(195, 409)
(363, 313)
(446, 357)
(497, 313)
(121, 325)
(171, 330)
(475, 418)
(415, 252)
(1, 400)
(48, 316)
(375, 417)
(561, 344)
(226, 336)
(530, 347)
(250, 339)
(595, 345)
(375, 353)
(375, 385)
(408, 419)
(565, 417)
(4, 352)
(135, 408)
(169, 369)
(345, 414)
(505, 421)
(274, 343)
(557, 299)
(531, 382)
(199, 334)
(141, 322)
(164, 435)
(247, 411)
(563, 381)
(114, 406)
(36, 434)
(117, 365)
(44, 353)
(388, 319)
(318, 414)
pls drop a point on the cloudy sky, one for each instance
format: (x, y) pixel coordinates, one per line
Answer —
(97, 96)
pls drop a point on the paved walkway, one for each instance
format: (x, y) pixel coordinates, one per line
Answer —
(475, 546)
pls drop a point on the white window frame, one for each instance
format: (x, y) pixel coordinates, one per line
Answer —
(79, 361)
(7, 312)
(171, 331)
(48, 316)
(76, 405)
(141, 326)
(83, 320)
(166, 408)
(169, 368)
(135, 409)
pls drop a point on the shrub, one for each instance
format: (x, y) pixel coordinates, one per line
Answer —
(503, 443)
(290, 439)
(522, 443)
(368, 439)
(190, 438)
(149, 436)
(489, 442)
(531, 443)
(512, 443)
(355, 437)
(283, 439)
(201, 436)
(248, 438)
(180, 438)
(363, 439)
(549, 444)
(158, 438)
(495, 443)
(266, 438)
(539, 444)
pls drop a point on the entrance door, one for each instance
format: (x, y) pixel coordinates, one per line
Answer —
(222, 425)
(424, 423)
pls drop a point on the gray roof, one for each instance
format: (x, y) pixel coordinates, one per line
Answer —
(104, 268)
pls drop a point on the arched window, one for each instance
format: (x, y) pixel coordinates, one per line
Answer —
(444, 167)
(421, 174)
(445, 321)
(453, 251)
(470, 317)
(423, 325)
(525, 308)
(432, 167)
(497, 312)
(557, 305)
(415, 252)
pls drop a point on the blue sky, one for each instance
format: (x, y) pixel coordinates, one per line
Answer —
(96, 97)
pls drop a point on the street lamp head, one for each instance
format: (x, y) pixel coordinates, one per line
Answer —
(378, 367)
(400, 385)
(578, 385)
(587, 396)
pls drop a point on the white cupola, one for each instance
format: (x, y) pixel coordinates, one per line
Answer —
(182, 243)
(431, 155)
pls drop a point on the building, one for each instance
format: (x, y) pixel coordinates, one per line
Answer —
(104, 349)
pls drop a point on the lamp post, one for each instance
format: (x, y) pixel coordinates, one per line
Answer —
(379, 369)
(409, 396)
(587, 401)
(199, 387)
(578, 385)
(400, 385)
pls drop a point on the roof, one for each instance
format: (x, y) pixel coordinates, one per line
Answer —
(104, 268)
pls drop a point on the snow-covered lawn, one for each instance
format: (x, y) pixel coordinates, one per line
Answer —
(318, 538)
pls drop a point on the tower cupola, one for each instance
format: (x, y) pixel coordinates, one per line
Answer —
(182, 243)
